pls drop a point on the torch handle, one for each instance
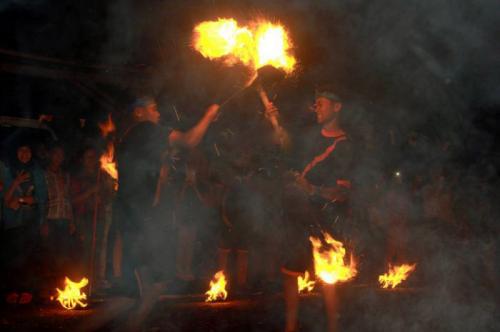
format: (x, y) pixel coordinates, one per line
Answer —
(266, 102)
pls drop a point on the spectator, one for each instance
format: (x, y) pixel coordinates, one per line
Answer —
(91, 198)
(24, 202)
(58, 228)
(194, 209)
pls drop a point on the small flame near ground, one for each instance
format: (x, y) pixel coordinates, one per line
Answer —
(329, 260)
(217, 291)
(256, 45)
(71, 296)
(305, 284)
(396, 275)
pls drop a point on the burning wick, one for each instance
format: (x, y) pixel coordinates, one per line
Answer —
(304, 284)
(217, 289)
(70, 297)
(396, 275)
(329, 262)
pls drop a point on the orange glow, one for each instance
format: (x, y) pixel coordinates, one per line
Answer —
(108, 164)
(257, 45)
(107, 127)
(304, 284)
(217, 289)
(71, 296)
(329, 262)
(396, 275)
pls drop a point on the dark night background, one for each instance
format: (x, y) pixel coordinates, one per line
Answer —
(417, 64)
(429, 68)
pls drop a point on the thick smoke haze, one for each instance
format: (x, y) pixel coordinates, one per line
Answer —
(423, 83)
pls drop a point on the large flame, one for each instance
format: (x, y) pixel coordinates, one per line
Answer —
(217, 289)
(396, 275)
(257, 45)
(107, 127)
(305, 284)
(329, 262)
(71, 296)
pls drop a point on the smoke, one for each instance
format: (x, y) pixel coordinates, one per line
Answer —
(419, 73)
(422, 82)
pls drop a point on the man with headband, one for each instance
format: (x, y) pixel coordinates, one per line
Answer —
(315, 197)
(139, 162)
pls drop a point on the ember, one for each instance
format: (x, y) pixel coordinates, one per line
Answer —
(305, 284)
(217, 289)
(71, 296)
(396, 275)
(329, 263)
(257, 45)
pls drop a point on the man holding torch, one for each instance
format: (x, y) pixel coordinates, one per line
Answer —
(139, 162)
(317, 197)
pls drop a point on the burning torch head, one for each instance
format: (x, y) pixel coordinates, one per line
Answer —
(269, 76)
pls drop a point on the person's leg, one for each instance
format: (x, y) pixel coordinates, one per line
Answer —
(117, 259)
(330, 296)
(103, 243)
(241, 268)
(185, 249)
(222, 258)
(291, 295)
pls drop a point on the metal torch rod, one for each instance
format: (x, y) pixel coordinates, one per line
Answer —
(94, 235)
(266, 102)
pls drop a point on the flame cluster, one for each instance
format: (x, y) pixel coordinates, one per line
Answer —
(329, 260)
(71, 296)
(108, 163)
(305, 284)
(396, 275)
(107, 159)
(259, 44)
(217, 289)
(107, 127)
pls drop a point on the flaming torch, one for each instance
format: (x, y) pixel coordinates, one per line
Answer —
(305, 284)
(396, 275)
(258, 44)
(217, 291)
(329, 260)
(71, 296)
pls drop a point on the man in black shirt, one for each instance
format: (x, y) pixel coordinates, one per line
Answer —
(316, 199)
(139, 162)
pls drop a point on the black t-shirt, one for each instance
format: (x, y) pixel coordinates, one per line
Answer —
(328, 159)
(139, 159)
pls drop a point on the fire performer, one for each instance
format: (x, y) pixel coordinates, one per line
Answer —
(317, 198)
(139, 161)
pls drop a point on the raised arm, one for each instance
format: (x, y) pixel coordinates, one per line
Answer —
(193, 136)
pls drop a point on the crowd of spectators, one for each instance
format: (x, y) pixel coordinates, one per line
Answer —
(57, 216)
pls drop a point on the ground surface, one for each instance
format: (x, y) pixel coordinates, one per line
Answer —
(362, 309)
